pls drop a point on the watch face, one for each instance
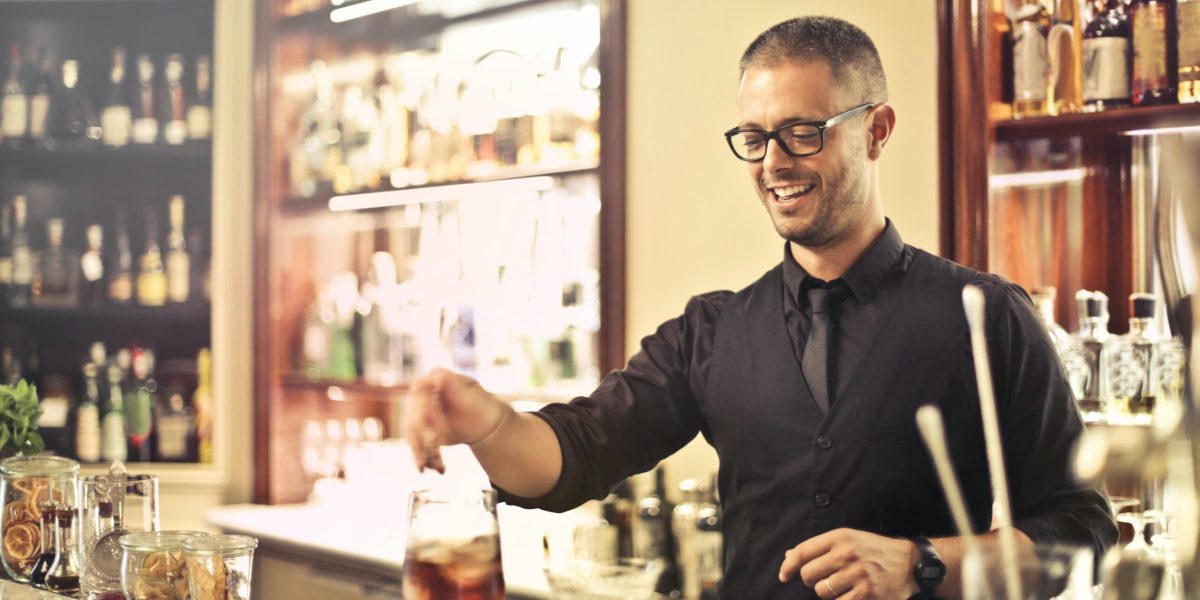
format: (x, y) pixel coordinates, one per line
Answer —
(933, 572)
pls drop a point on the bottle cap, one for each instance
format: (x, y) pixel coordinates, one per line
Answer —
(1043, 291)
(1097, 305)
(1142, 306)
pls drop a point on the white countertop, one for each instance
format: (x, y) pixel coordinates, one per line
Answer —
(11, 590)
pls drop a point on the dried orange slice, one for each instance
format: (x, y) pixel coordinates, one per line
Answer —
(16, 511)
(26, 485)
(21, 542)
(37, 499)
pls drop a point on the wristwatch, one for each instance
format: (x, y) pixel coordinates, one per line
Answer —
(930, 571)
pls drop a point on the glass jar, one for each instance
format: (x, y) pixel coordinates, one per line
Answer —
(31, 485)
(152, 564)
(111, 506)
(219, 566)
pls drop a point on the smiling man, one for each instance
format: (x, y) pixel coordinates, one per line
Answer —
(807, 382)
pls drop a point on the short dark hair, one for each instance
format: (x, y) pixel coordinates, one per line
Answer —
(847, 49)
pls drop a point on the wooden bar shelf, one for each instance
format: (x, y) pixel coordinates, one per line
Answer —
(1098, 124)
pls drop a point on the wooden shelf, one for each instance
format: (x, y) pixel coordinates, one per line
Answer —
(186, 153)
(1098, 124)
(299, 381)
(155, 315)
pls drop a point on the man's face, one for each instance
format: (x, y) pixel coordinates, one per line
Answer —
(818, 200)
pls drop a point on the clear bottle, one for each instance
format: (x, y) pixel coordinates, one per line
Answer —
(174, 429)
(1187, 16)
(152, 275)
(139, 407)
(6, 252)
(1043, 298)
(120, 273)
(63, 576)
(40, 98)
(178, 261)
(57, 281)
(20, 291)
(199, 112)
(14, 104)
(1106, 59)
(91, 267)
(87, 417)
(653, 535)
(1083, 356)
(144, 104)
(1128, 361)
(112, 425)
(1031, 64)
(174, 118)
(1155, 77)
(73, 120)
(202, 404)
(683, 522)
(37, 575)
(710, 557)
(116, 117)
(1065, 94)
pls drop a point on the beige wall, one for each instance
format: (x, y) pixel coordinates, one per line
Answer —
(694, 222)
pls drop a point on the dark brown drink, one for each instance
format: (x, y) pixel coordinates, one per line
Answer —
(445, 570)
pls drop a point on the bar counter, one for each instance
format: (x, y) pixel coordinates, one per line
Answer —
(11, 590)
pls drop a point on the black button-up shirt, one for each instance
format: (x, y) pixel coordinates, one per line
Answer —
(788, 472)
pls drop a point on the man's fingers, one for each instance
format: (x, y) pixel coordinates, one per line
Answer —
(822, 567)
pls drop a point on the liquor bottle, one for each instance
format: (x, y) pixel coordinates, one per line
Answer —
(57, 281)
(1128, 361)
(1155, 62)
(1043, 298)
(63, 576)
(1030, 60)
(202, 403)
(1106, 59)
(174, 117)
(1187, 18)
(144, 106)
(73, 122)
(683, 522)
(200, 285)
(98, 357)
(40, 99)
(152, 277)
(1083, 356)
(116, 118)
(20, 291)
(710, 557)
(1065, 94)
(87, 417)
(178, 263)
(653, 534)
(139, 407)
(120, 273)
(6, 252)
(174, 428)
(112, 426)
(91, 266)
(14, 106)
(199, 112)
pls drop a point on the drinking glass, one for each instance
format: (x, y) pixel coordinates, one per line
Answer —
(1059, 572)
(453, 550)
(29, 486)
(219, 566)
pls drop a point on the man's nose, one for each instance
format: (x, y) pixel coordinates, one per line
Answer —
(776, 159)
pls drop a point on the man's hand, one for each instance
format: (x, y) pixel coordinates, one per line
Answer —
(446, 408)
(851, 564)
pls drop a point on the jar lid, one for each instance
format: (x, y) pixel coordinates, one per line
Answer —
(152, 541)
(38, 466)
(219, 544)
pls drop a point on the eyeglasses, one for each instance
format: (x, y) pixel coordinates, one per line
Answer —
(796, 139)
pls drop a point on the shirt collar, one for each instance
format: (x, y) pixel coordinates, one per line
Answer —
(863, 277)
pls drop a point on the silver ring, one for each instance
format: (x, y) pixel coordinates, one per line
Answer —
(829, 587)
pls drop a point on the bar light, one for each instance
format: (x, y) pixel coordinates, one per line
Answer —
(1033, 178)
(365, 8)
(1164, 130)
(441, 193)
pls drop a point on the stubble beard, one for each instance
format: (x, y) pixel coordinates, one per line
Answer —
(838, 211)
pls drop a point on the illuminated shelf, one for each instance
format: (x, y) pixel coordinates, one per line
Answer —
(1099, 124)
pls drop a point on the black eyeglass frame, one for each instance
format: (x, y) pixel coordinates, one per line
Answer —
(821, 126)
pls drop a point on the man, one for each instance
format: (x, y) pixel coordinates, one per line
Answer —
(807, 381)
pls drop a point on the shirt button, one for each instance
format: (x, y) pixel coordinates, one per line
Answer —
(824, 443)
(822, 500)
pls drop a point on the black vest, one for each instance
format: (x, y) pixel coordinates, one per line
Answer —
(870, 471)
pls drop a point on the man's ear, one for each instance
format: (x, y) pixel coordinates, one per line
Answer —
(883, 122)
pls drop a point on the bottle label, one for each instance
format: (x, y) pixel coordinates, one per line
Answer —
(120, 287)
(1149, 48)
(1030, 64)
(152, 289)
(145, 131)
(178, 277)
(199, 122)
(22, 267)
(6, 270)
(92, 266)
(14, 116)
(116, 121)
(1106, 69)
(172, 437)
(175, 133)
(39, 108)
(1187, 15)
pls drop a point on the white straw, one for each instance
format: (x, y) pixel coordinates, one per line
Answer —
(973, 303)
(929, 420)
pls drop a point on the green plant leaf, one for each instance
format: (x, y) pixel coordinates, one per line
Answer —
(35, 441)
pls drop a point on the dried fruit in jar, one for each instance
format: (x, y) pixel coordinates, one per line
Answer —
(146, 589)
(21, 545)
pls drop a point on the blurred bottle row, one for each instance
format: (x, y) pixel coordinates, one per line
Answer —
(49, 109)
(59, 276)
(1072, 56)
(1117, 379)
(122, 406)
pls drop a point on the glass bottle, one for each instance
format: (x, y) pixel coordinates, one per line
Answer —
(710, 558)
(1128, 361)
(1030, 59)
(1187, 17)
(120, 278)
(73, 120)
(175, 430)
(139, 407)
(14, 104)
(199, 287)
(37, 575)
(91, 266)
(1083, 356)
(1065, 93)
(116, 117)
(178, 261)
(87, 417)
(175, 114)
(683, 522)
(112, 426)
(199, 112)
(1043, 298)
(152, 276)
(20, 291)
(63, 577)
(1106, 59)
(1155, 62)
(202, 404)
(57, 281)
(653, 534)
(6, 252)
(40, 99)
(144, 104)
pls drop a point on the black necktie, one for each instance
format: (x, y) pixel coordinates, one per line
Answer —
(815, 362)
